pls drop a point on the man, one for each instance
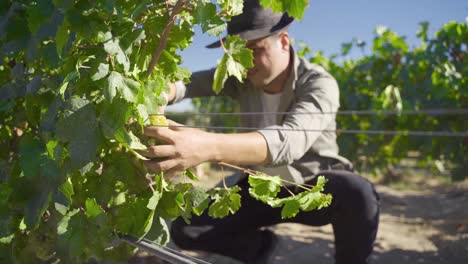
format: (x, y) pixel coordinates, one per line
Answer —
(278, 82)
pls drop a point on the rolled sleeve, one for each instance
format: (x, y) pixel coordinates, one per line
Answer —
(290, 140)
(181, 90)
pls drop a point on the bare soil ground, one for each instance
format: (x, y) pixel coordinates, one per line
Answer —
(424, 224)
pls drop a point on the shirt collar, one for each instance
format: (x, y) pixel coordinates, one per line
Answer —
(291, 81)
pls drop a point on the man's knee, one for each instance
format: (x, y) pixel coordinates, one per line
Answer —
(179, 234)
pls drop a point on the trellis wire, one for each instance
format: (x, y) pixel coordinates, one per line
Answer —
(343, 131)
(165, 253)
(431, 112)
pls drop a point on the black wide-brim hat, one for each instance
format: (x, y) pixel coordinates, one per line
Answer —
(255, 22)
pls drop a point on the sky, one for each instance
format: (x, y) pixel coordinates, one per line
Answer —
(329, 23)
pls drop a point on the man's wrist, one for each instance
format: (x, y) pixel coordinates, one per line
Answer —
(215, 147)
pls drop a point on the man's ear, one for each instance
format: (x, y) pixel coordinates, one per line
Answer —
(284, 40)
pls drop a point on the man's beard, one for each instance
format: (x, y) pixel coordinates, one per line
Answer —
(259, 83)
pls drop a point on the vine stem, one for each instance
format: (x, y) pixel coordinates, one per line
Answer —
(179, 7)
(289, 191)
(235, 167)
(303, 186)
(222, 44)
(224, 178)
(252, 172)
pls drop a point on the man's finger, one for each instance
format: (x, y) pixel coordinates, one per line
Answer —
(174, 125)
(159, 132)
(160, 151)
(161, 165)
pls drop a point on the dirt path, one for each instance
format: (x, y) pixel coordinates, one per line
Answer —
(429, 226)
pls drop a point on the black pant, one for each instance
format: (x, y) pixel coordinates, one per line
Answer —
(354, 215)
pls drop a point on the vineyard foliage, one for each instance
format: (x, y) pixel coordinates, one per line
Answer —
(79, 79)
(395, 77)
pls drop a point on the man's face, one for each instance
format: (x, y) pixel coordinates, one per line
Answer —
(268, 60)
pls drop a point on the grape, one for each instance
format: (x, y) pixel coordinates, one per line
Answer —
(158, 120)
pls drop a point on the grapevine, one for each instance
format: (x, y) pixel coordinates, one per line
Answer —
(79, 80)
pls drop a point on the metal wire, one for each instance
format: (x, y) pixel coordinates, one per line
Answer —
(429, 112)
(342, 131)
(165, 253)
(197, 260)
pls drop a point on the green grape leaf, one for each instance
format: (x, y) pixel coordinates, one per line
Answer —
(159, 184)
(189, 173)
(92, 208)
(423, 30)
(39, 14)
(62, 226)
(133, 217)
(154, 200)
(62, 209)
(114, 80)
(264, 186)
(235, 62)
(72, 230)
(170, 204)
(159, 232)
(79, 130)
(31, 155)
(5, 192)
(71, 77)
(126, 87)
(102, 71)
(37, 205)
(295, 8)
(306, 201)
(320, 185)
(183, 74)
(41, 176)
(345, 48)
(221, 75)
(51, 148)
(309, 200)
(6, 232)
(117, 199)
(235, 69)
(112, 47)
(210, 22)
(181, 34)
(290, 209)
(34, 85)
(61, 37)
(7, 239)
(231, 7)
(130, 140)
(138, 155)
(113, 116)
(182, 187)
(225, 201)
(152, 89)
(199, 200)
(67, 189)
(391, 98)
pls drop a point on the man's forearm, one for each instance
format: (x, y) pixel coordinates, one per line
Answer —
(242, 149)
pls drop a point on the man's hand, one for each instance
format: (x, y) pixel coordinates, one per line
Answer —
(183, 148)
